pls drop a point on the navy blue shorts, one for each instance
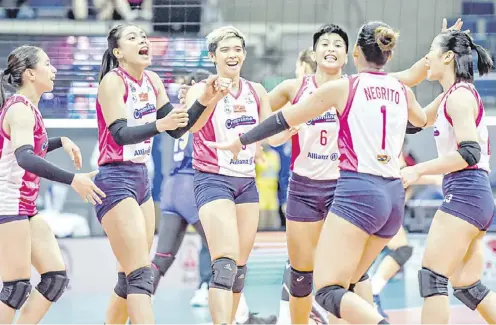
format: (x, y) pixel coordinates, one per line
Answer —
(210, 187)
(372, 203)
(468, 196)
(178, 198)
(119, 181)
(309, 200)
(7, 219)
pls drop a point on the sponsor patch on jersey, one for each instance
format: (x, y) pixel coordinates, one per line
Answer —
(243, 120)
(147, 109)
(328, 117)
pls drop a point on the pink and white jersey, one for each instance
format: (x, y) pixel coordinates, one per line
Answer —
(372, 126)
(234, 115)
(445, 135)
(315, 147)
(19, 189)
(141, 106)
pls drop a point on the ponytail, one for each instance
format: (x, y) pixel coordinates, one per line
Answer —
(4, 79)
(484, 61)
(109, 62)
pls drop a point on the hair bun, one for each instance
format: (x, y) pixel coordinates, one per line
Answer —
(385, 38)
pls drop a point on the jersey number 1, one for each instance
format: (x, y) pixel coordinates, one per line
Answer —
(383, 111)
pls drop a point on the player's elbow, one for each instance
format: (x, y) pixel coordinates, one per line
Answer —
(470, 152)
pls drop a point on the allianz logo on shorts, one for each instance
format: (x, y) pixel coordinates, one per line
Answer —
(328, 117)
(243, 120)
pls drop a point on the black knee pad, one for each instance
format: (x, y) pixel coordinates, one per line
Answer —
(239, 281)
(140, 281)
(472, 295)
(224, 271)
(301, 283)
(163, 263)
(330, 298)
(364, 277)
(432, 283)
(15, 293)
(402, 254)
(53, 285)
(120, 288)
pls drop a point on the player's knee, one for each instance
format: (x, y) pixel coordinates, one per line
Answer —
(402, 254)
(120, 288)
(163, 262)
(364, 277)
(15, 293)
(330, 298)
(239, 281)
(140, 281)
(301, 283)
(472, 295)
(224, 271)
(432, 283)
(53, 285)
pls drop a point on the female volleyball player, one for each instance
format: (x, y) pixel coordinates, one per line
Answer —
(454, 244)
(25, 238)
(179, 212)
(368, 201)
(132, 107)
(225, 188)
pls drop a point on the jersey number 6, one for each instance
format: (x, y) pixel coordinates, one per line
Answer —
(323, 137)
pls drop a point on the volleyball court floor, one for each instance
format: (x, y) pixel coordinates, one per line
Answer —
(400, 298)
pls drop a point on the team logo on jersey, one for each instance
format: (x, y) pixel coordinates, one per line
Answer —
(141, 112)
(133, 89)
(143, 97)
(248, 100)
(436, 132)
(383, 159)
(328, 117)
(243, 120)
(135, 99)
(227, 106)
(44, 146)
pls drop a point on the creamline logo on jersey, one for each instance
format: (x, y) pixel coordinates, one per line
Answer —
(240, 121)
(328, 117)
(147, 109)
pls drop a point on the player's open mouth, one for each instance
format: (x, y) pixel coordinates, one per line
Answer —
(330, 58)
(232, 63)
(143, 51)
